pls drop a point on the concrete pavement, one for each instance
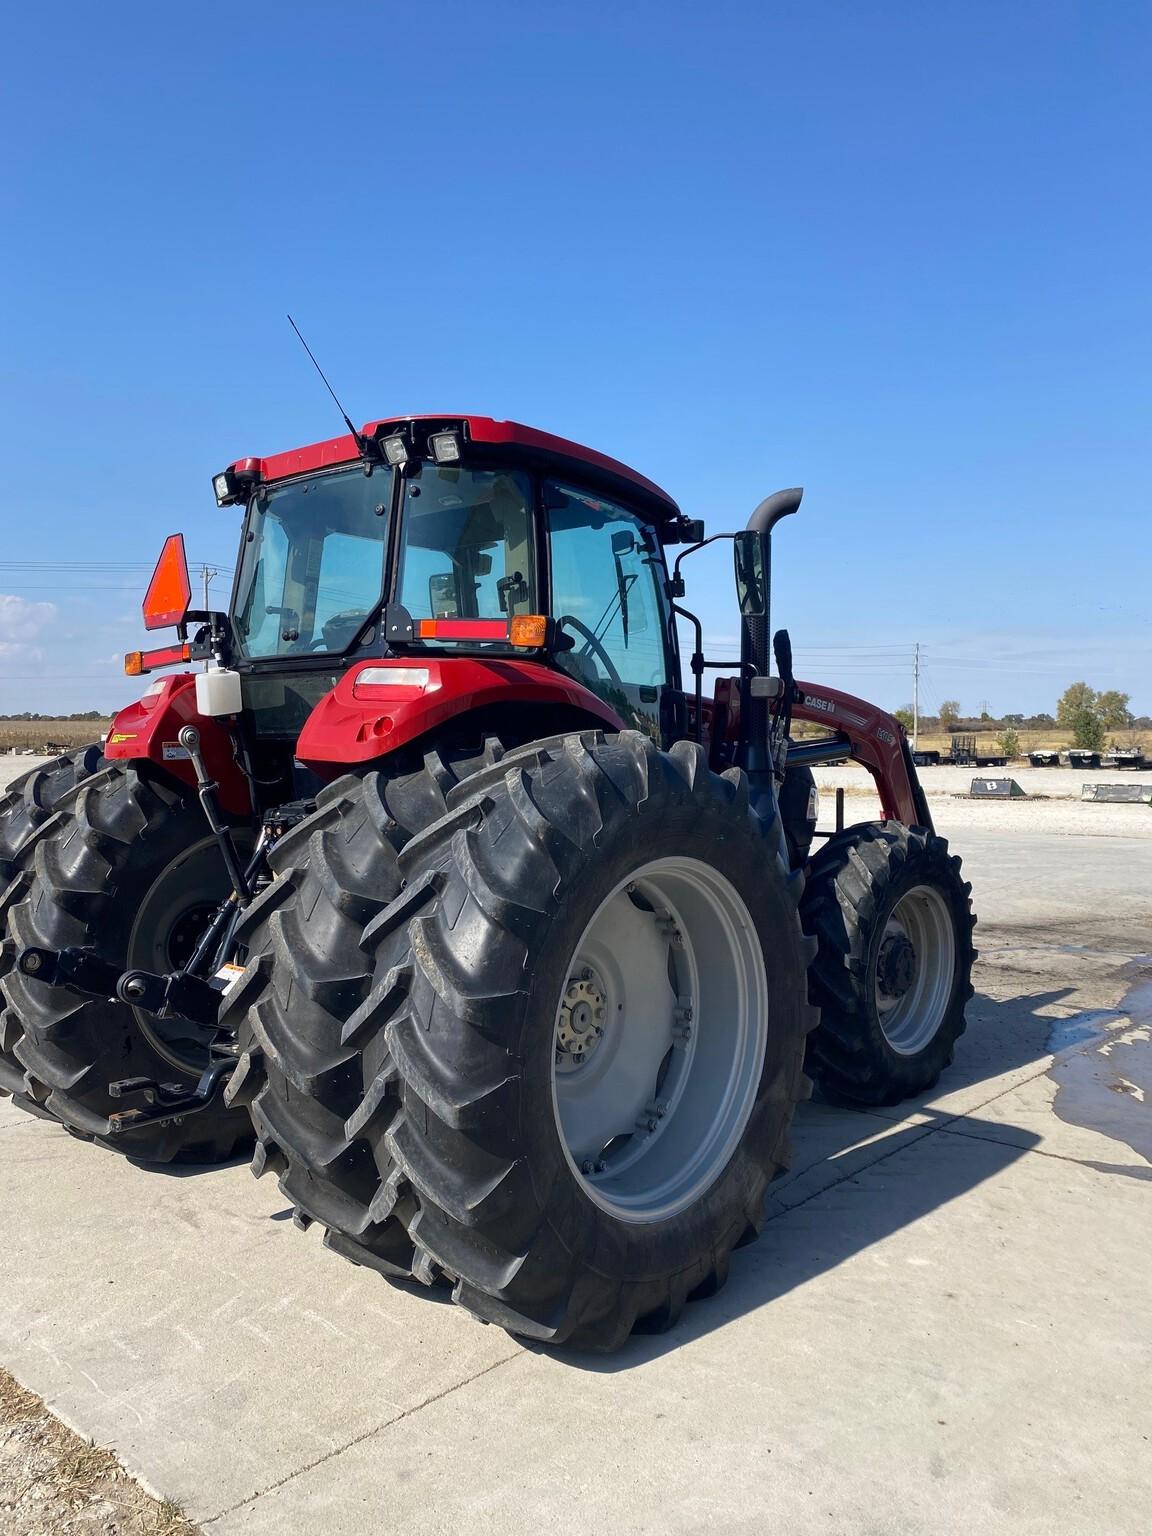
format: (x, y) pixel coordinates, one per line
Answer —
(944, 1327)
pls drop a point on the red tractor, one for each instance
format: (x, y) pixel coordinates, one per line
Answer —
(512, 950)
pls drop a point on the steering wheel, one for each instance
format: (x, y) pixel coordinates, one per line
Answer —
(338, 630)
(592, 643)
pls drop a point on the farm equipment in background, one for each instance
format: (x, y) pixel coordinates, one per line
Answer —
(962, 753)
(1125, 757)
(511, 952)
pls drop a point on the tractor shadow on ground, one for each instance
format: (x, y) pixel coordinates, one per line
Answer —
(187, 1170)
(851, 1186)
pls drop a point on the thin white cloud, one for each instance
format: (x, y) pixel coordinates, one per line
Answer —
(21, 620)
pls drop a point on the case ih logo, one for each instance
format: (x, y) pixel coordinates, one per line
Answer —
(825, 704)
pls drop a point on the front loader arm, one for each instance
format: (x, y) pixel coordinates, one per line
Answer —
(874, 739)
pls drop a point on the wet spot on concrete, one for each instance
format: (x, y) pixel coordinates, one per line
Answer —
(1103, 1069)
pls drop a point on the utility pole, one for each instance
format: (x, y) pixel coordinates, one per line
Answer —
(915, 695)
(206, 575)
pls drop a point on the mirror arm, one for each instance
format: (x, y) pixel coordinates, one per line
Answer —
(697, 664)
(675, 583)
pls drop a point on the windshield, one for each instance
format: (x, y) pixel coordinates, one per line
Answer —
(313, 566)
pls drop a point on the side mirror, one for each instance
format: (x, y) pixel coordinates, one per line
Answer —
(683, 530)
(751, 588)
(511, 590)
(169, 594)
(442, 596)
(623, 542)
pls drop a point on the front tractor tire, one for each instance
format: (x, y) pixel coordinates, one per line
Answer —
(892, 918)
(125, 867)
(578, 1059)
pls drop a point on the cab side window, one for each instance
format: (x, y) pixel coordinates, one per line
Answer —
(607, 599)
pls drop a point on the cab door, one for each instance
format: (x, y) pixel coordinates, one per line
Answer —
(609, 604)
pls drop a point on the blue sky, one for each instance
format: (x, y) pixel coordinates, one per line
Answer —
(898, 253)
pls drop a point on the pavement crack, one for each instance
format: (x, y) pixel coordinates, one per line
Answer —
(925, 1130)
(1131, 1170)
(366, 1434)
(929, 1128)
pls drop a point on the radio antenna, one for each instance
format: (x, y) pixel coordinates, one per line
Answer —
(361, 443)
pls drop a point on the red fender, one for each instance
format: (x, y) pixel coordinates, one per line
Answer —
(359, 721)
(150, 729)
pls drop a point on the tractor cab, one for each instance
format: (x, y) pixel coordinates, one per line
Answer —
(446, 539)
(446, 542)
(454, 573)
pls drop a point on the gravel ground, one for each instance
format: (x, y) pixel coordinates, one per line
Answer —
(1060, 812)
(53, 1483)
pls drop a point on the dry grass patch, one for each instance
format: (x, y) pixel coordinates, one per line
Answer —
(36, 734)
(53, 1483)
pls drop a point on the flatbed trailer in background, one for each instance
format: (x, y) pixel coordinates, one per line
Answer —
(961, 754)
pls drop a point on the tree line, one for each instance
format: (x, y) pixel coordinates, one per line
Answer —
(85, 714)
(1091, 715)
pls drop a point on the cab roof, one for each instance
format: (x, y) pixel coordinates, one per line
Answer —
(542, 449)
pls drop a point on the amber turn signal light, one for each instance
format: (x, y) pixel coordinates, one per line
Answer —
(529, 630)
(136, 663)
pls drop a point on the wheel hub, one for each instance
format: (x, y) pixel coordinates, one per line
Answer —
(186, 932)
(580, 1021)
(658, 1039)
(896, 965)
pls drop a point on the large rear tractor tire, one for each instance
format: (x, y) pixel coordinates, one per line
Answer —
(308, 972)
(126, 867)
(583, 1042)
(24, 807)
(893, 922)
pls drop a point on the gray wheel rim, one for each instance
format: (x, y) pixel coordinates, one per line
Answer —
(913, 1004)
(659, 1040)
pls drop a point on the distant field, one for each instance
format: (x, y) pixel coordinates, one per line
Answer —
(39, 734)
(987, 740)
